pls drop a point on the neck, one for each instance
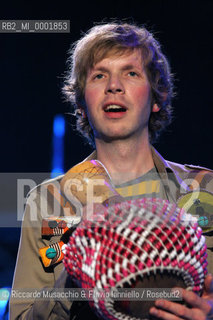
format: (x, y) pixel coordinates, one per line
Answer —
(125, 161)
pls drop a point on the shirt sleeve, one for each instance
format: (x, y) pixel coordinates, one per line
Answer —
(30, 274)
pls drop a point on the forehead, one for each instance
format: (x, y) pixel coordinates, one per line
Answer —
(127, 56)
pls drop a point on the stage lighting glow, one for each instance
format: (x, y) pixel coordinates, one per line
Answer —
(59, 126)
(58, 146)
(4, 298)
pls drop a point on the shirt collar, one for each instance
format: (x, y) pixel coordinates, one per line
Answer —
(164, 168)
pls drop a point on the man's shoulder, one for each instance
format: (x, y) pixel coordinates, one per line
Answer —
(56, 180)
(187, 168)
(47, 183)
(181, 171)
(193, 176)
(178, 168)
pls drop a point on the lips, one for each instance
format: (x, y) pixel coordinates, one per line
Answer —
(114, 107)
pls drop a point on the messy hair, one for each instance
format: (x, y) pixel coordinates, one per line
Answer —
(118, 38)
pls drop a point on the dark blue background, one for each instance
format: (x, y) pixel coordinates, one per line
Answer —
(32, 67)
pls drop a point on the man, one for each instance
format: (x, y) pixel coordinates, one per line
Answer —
(121, 85)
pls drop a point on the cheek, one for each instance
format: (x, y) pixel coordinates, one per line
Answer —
(88, 96)
(91, 96)
(142, 93)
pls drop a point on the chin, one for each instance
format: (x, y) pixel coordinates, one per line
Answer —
(115, 136)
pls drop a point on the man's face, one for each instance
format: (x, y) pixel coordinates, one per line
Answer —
(118, 97)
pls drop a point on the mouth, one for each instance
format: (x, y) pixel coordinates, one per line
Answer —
(114, 108)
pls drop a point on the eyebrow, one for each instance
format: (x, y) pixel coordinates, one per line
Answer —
(124, 68)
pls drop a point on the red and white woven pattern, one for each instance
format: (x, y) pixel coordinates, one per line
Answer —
(136, 238)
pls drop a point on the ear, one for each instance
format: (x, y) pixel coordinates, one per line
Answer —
(82, 111)
(155, 108)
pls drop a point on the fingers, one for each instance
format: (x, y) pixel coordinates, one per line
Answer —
(195, 301)
(172, 311)
(196, 314)
(208, 284)
(162, 314)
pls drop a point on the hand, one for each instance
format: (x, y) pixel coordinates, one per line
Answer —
(201, 307)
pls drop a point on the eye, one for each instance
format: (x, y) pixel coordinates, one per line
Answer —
(132, 74)
(98, 76)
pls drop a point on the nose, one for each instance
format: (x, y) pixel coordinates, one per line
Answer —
(114, 85)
